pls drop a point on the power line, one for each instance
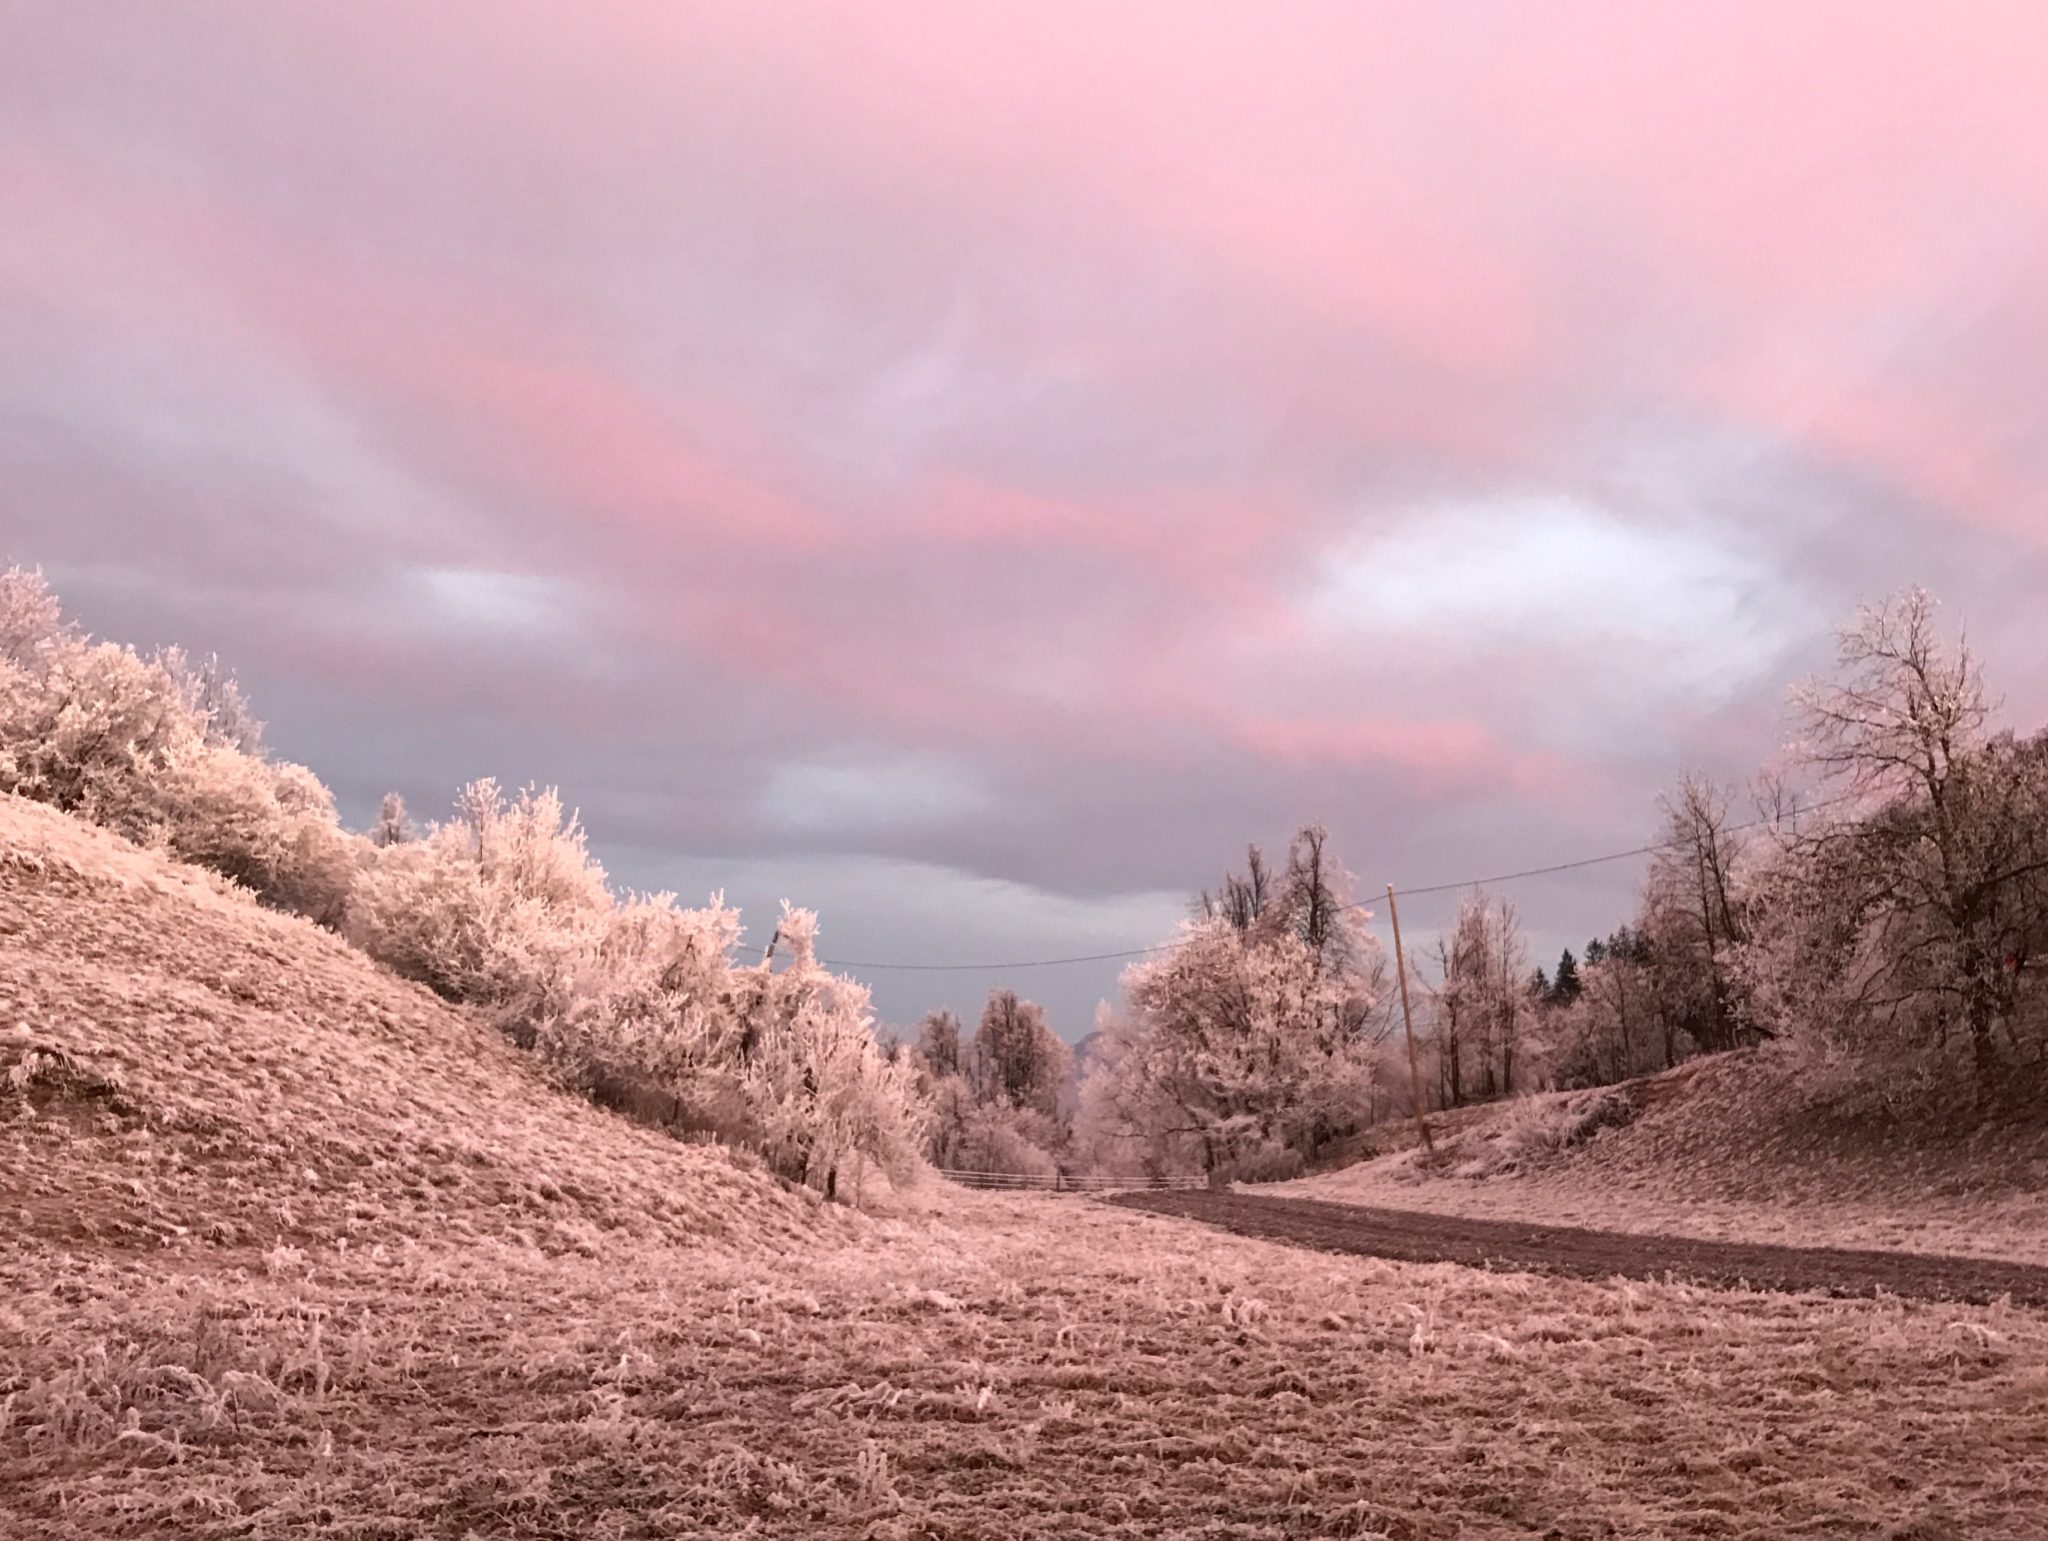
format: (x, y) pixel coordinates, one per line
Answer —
(1433, 888)
(1595, 861)
(935, 968)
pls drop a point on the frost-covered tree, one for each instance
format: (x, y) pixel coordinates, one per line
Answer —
(1256, 1027)
(32, 621)
(1482, 1001)
(212, 694)
(394, 826)
(995, 1097)
(1612, 1028)
(1909, 925)
(1016, 1059)
(824, 1098)
(1693, 916)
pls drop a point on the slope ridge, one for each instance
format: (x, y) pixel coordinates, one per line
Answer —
(180, 1067)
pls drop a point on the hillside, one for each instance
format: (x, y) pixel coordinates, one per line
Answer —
(1755, 1146)
(182, 1069)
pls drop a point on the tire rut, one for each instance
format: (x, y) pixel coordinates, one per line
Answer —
(1413, 1237)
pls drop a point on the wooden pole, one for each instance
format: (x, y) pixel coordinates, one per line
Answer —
(1408, 1022)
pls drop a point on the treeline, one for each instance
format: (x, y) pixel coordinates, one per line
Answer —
(1889, 916)
(1000, 1096)
(1892, 916)
(641, 1002)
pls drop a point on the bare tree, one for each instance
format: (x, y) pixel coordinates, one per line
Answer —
(1481, 999)
(1692, 911)
(938, 1043)
(1241, 898)
(1016, 1058)
(1920, 918)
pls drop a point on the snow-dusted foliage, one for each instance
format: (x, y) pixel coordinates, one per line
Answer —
(501, 904)
(1481, 1004)
(32, 620)
(394, 825)
(269, 825)
(1016, 1059)
(1909, 926)
(1254, 1028)
(1614, 1028)
(164, 751)
(996, 1096)
(818, 1086)
(642, 1001)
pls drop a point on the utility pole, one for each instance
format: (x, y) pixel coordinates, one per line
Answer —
(1408, 1022)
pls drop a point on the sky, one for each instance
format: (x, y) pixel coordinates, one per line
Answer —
(970, 469)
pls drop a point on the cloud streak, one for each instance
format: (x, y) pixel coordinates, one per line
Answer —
(1021, 453)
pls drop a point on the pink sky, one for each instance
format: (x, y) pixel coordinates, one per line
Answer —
(972, 468)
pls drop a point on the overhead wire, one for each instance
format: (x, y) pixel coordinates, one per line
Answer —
(1360, 904)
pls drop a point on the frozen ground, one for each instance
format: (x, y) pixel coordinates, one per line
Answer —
(293, 1250)
(1733, 1149)
(1017, 1366)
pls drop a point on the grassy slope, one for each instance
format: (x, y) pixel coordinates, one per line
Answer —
(333, 1261)
(234, 1079)
(1744, 1146)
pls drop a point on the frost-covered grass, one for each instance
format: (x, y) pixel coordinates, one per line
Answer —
(291, 1248)
(1013, 1366)
(1748, 1147)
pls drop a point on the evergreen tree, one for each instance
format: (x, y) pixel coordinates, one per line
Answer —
(1566, 988)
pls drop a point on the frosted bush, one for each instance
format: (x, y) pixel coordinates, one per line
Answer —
(651, 1025)
(89, 728)
(164, 751)
(1534, 1131)
(641, 1001)
(271, 827)
(501, 905)
(817, 1082)
(993, 1137)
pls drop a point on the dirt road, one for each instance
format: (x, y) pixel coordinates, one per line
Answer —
(1555, 1249)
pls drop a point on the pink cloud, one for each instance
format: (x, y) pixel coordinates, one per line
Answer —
(1445, 756)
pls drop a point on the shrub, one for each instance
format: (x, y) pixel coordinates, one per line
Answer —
(1539, 1129)
(501, 906)
(815, 1078)
(640, 1001)
(270, 827)
(163, 751)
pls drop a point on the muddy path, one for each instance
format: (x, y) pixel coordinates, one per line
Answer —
(1554, 1249)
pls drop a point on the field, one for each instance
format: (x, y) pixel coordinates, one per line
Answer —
(1014, 1367)
(293, 1249)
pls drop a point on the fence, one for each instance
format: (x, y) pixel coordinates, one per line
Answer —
(1061, 1182)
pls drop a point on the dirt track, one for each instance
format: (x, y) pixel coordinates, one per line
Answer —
(1553, 1249)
